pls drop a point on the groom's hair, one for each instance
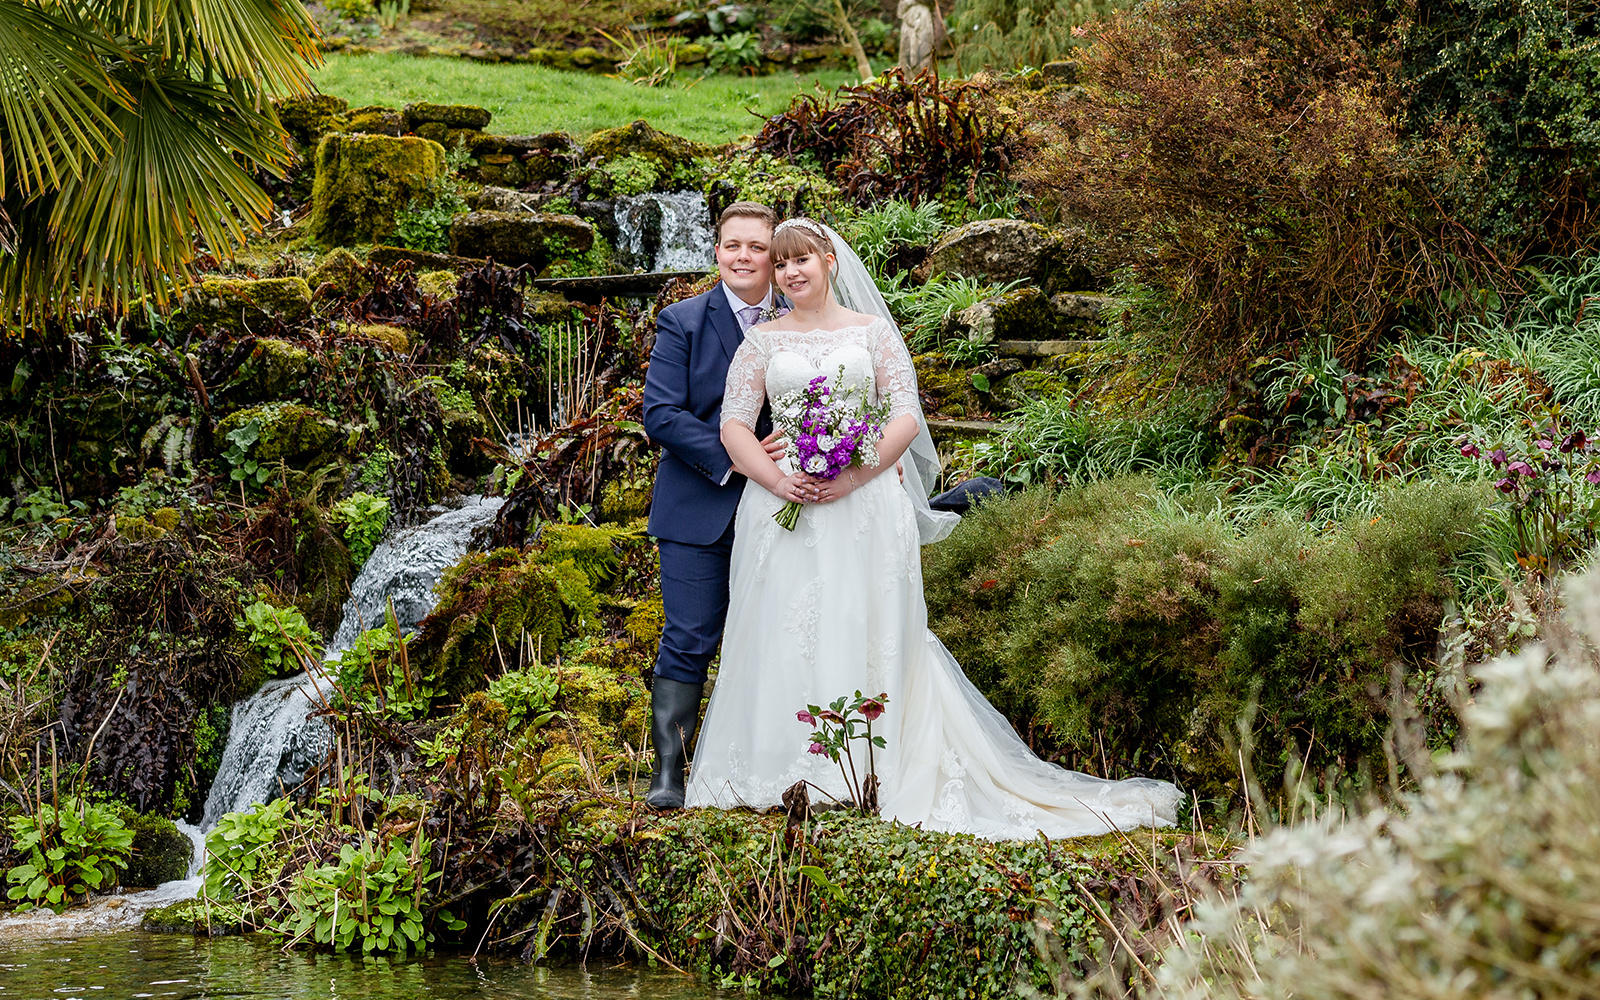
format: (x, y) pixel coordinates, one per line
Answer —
(746, 210)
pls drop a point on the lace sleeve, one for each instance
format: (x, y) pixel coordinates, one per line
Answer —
(891, 364)
(747, 383)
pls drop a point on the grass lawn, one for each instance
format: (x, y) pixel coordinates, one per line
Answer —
(526, 99)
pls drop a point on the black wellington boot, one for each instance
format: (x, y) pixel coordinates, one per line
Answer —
(674, 714)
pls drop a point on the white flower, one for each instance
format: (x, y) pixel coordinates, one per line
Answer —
(868, 454)
(816, 464)
(791, 412)
(827, 442)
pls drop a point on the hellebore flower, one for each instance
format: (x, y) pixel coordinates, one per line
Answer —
(1543, 444)
(1573, 442)
(806, 717)
(830, 715)
(1593, 477)
(871, 709)
(1522, 468)
(1498, 457)
(1470, 450)
(817, 748)
(1506, 485)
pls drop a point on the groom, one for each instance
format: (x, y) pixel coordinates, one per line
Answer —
(697, 491)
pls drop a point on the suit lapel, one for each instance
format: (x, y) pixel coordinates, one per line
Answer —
(723, 321)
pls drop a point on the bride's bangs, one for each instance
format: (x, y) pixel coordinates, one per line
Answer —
(794, 241)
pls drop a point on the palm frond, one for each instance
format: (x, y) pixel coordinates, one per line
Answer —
(265, 43)
(176, 173)
(54, 93)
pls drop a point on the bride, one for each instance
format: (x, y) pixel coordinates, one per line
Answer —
(836, 605)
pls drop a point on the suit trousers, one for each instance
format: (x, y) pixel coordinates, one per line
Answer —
(694, 600)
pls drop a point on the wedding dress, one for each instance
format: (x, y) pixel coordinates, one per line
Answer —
(837, 606)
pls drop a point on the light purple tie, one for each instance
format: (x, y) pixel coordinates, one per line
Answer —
(747, 317)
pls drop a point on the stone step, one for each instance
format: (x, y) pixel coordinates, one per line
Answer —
(1043, 348)
(947, 430)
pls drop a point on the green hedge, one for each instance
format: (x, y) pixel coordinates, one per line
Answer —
(1139, 629)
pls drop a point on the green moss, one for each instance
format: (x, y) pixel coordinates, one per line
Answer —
(243, 304)
(623, 502)
(449, 115)
(342, 269)
(666, 153)
(276, 369)
(489, 604)
(204, 918)
(949, 387)
(160, 852)
(309, 118)
(396, 339)
(439, 284)
(364, 181)
(42, 597)
(138, 529)
(289, 431)
(646, 621)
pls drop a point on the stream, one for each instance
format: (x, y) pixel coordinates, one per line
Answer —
(134, 964)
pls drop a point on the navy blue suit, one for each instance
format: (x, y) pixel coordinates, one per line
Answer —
(691, 511)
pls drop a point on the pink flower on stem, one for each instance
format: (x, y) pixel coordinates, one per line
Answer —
(1498, 457)
(817, 748)
(1593, 477)
(1470, 450)
(1522, 468)
(1506, 485)
(830, 715)
(806, 717)
(871, 709)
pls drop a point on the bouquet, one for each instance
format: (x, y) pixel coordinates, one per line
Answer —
(830, 428)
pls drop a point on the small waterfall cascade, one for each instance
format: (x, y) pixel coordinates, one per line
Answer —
(665, 231)
(271, 743)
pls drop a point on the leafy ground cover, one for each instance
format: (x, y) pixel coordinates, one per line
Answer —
(528, 99)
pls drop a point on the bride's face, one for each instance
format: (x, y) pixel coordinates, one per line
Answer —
(804, 278)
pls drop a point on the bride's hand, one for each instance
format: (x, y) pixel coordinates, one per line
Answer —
(829, 490)
(794, 488)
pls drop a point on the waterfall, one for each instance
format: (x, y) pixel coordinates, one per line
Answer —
(271, 742)
(665, 231)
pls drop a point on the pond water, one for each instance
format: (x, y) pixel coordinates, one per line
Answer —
(134, 964)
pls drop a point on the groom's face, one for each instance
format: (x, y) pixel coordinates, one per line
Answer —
(744, 257)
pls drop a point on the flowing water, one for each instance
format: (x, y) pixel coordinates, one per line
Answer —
(665, 231)
(271, 742)
(134, 964)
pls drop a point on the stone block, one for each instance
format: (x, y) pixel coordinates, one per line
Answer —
(243, 304)
(364, 181)
(513, 238)
(449, 115)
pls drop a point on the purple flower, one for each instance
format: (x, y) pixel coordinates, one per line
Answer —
(1497, 457)
(1521, 468)
(871, 709)
(1593, 477)
(1573, 442)
(1506, 485)
(817, 748)
(806, 717)
(1543, 444)
(1470, 450)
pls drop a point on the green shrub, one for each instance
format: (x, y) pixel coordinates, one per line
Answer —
(364, 517)
(1140, 629)
(1479, 884)
(424, 224)
(67, 852)
(281, 637)
(1520, 83)
(375, 676)
(734, 52)
(529, 696)
(245, 848)
(924, 309)
(882, 231)
(368, 900)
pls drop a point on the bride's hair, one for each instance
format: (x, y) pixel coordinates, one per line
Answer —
(797, 236)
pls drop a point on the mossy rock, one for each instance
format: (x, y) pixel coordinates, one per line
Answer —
(310, 118)
(693, 54)
(622, 503)
(458, 116)
(344, 271)
(161, 853)
(439, 284)
(195, 916)
(1001, 250)
(243, 304)
(945, 390)
(364, 181)
(1028, 385)
(665, 152)
(375, 119)
(276, 369)
(449, 138)
(537, 239)
(326, 571)
(646, 621)
(585, 56)
(289, 431)
(1020, 314)
(133, 528)
(42, 597)
(396, 339)
(487, 603)
(604, 699)
(547, 308)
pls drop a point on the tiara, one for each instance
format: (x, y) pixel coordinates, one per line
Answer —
(799, 223)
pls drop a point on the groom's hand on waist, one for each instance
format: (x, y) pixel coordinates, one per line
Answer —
(775, 444)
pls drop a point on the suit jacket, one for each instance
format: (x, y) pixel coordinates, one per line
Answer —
(695, 341)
